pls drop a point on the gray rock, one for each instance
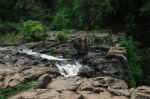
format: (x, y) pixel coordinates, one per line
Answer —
(44, 80)
(142, 92)
(1, 78)
(86, 71)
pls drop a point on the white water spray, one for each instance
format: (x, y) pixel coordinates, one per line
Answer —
(66, 68)
(43, 56)
(69, 69)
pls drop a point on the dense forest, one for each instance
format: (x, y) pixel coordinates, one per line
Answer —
(127, 16)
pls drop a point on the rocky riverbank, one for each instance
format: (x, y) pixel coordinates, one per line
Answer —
(101, 71)
(50, 85)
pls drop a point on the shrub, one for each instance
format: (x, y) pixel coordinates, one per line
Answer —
(134, 57)
(53, 50)
(8, 27)
(33, 30)
(29, 45)
(63, 35)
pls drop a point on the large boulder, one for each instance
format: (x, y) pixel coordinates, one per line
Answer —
(142, 92)
(44, 80)
(86, 71)
(106, 61)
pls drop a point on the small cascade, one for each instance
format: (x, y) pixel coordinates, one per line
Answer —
(66, 67)
(69, 69)
(43, 56)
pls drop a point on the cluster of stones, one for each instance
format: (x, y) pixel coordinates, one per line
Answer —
(10, 77)
(83, 88)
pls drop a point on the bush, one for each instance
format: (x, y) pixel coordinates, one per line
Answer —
(33, 30)
(53, 50)
(29, 45)
(63, 35)
(135, 58)
(8, 27)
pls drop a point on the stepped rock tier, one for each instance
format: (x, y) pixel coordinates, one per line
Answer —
(83, 67)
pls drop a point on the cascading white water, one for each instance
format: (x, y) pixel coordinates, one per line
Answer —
(66, 68)
(69, 69)
(43, 56)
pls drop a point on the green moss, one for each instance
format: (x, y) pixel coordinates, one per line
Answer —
(53, 50)
(29, 45)
(11, 91)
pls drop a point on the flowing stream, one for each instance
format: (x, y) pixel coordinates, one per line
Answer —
(66, 67)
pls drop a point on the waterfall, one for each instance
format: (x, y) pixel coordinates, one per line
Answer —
(43, 56)
(69, 69)
(65, 67)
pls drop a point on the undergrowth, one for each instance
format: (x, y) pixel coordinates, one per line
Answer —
(135, 72)
(11, 91)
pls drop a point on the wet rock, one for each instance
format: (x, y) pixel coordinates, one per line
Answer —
(85, 71)
(82, 43)
(107, 61)
(44, 80)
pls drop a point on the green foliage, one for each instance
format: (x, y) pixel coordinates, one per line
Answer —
(63, 35)
(82, 14)
(145, 9)
(130, 24)
(33, 30)
(70, 52)
(53, 50)
(134, 57)
(98, 42)
(8, 27)
(146, 62)
(125, 15)
(11, 91)
(61, 19)
(29, 45)
(15, 10)
(10, 38)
